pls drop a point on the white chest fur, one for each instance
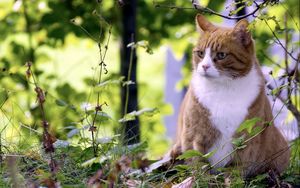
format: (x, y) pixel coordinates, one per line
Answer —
(228, 102)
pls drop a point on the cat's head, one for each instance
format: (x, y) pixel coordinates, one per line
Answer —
(223, 52)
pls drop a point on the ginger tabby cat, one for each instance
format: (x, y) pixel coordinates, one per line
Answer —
(227, 88)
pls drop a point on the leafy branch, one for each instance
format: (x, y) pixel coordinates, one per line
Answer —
(292, 74)
(210, 11)
(207, 10)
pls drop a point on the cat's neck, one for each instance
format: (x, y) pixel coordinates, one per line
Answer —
(238, 92)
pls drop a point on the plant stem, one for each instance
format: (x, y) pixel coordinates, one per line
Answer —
(48, 139)
(29, 32)
(128, 79)
(98, 105)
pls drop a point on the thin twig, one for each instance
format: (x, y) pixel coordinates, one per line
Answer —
(271, 60)
(290, 106)
(279, 42)
(128, 77)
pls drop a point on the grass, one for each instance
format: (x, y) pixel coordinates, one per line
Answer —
(114, 166)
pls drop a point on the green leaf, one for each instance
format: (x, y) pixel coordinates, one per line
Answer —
(181, 168)
(248, 125)
(259, 178)
(238, 142)
(61, 102)
(209, 154)
(145, 111)
(234, 12)
(145, 44)
(249, 3)
(189, 154)
(255, 131)
(110, 82)
(103, 114)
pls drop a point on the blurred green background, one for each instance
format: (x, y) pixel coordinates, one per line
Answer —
(58, 37)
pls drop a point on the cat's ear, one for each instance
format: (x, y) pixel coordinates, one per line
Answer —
(203, 24)
(242, 33)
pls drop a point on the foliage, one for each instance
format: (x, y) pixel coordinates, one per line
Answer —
(82, 105)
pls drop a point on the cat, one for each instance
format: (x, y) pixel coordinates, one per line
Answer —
(227, 88)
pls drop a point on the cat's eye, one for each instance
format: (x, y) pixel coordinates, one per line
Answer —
(200, 54)
(221, 55)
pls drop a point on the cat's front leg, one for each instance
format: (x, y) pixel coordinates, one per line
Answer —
(175, 151)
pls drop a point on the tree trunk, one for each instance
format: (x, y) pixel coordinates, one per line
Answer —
(131, 129)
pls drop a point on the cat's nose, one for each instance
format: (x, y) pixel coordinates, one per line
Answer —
(205, 67)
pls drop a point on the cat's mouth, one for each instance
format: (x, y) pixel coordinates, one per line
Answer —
(207, 75)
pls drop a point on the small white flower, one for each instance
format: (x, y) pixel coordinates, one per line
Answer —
(86, 106)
